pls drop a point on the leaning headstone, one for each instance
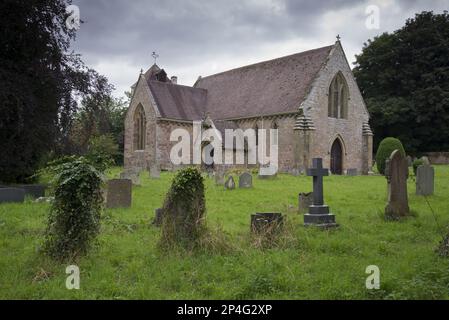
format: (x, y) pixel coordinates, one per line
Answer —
(158, 217)
(230, 183)
(245, 180)
(425, 180)
(266, 223)
(396, 172)
(12, 195)
(305, 200)
(184, 209)
(155, 172)
(352, 172)
(319, 214)
(131, 175)
(119, 193)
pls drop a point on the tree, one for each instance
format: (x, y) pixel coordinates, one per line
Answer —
(41, 80)
(404, 78)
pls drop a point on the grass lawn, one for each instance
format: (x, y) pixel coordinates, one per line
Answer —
(311, 264)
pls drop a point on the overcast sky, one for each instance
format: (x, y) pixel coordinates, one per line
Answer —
(203, 37)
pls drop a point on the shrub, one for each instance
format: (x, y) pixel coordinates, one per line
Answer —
(74, 219)
(416, 164)
(386, 147)
(102, 151)
(184, 209)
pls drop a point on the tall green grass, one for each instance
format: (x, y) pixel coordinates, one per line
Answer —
(310, 264)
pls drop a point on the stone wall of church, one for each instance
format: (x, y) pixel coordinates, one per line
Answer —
(164, 146)
(286, 137)
(349, 130)
(140, 159)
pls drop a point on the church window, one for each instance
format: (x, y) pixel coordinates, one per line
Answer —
(140, 128)
(338, 97)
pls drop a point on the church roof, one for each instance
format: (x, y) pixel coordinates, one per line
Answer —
(266, 88)
(178, 102)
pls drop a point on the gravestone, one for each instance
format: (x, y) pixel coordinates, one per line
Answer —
(230, 183)
(32, 190)
(396, 172)
(119, 193)
(305, 200)
(318, 214)
(268, 172)
(245, 180)
(409, 161)
(219, 177)
(266, 223)
(132, 175)
(158, 217)
(425, 180)
(12, 195)
(352, 172)
(155, 172)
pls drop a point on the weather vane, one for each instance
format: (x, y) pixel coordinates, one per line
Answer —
(155, 56)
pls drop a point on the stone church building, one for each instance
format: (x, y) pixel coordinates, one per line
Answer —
(311, 97)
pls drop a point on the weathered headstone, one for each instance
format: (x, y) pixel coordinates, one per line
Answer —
(245, 180)
(219, 177)
(158, 217)
(409, 161)
(12, 195)
(305, 200)
(268, 172)
(32, 190)
(155, 172)
(425, 180)
(319, 214)
(266, 222)
(352, 172)
(119, 193)
(131, 175)
(396, 172)
(230, 183)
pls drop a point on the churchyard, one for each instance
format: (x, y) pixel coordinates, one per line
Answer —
(304, 263)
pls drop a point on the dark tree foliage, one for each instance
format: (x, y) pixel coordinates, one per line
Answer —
(40, 79)
(404, 78)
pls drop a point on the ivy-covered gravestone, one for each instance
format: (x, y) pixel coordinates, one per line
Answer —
(184, 209)
(74, 220)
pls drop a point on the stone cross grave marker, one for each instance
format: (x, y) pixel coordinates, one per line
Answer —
(318, 214)
(245, 180)
(230, 183)
(396, 173)
(119, 193)
(425, 180)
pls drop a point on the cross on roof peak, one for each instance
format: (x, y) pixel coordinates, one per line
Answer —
(155, 56)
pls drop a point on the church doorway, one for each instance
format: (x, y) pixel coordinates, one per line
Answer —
(337, 157)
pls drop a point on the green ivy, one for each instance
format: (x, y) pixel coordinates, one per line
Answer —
(74, 219)
(184, 209)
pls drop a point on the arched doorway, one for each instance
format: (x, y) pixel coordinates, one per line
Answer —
(337, 157)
